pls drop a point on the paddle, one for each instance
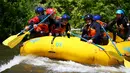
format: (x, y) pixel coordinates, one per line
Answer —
(18, 39)
(126, 63)
(9, 39)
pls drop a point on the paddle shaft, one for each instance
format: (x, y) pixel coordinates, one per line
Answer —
(87, 40)
(112, 41)
(41, 21)
(33, 28)
(22, 30)
(18, 39)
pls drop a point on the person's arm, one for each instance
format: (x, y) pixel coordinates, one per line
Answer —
(98, 30)
(126, 26)
(31, 22)
(68, 28)
(128, 34)
(110, 24)
(124, 23)
(51, 25)
(84, 31)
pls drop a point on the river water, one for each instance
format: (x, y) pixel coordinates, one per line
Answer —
(12, 62)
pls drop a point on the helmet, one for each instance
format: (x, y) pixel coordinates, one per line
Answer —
(65, 16)
(97, 17)
(88, 16)
(119, 11)
(39, 10)
(50, 10)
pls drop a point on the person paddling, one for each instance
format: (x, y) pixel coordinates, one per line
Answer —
(121, 24)
(52, 21)
(104, 38)
(64, 26)
(41, 29)
(91, 30)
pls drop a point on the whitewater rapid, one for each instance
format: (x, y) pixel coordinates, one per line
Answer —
(59, 66)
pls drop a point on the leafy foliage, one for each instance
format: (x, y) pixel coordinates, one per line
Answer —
(14, 14)
(78, 8)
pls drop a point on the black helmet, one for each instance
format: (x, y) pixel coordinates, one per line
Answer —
(88, 16)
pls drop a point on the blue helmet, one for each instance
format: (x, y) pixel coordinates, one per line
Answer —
(65, 16)
(119, 11)
(88, 16)
(39, 10)
(97, 17)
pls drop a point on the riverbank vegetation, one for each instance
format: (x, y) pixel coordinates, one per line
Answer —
(14, 14)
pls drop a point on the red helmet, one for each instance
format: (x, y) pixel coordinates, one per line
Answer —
(50, 10)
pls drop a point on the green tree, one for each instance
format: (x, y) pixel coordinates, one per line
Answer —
(14, 15)
(78, 8)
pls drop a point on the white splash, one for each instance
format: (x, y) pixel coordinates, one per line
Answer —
(70, 66)
(60, 66)
(15, 61)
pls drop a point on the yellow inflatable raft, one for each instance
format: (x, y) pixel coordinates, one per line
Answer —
(64, 48)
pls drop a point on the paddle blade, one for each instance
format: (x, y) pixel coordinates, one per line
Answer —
(17, 40)
(9, 39)
(116, 56)
(126, 63)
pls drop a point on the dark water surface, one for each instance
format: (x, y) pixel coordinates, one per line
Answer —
(12, 62)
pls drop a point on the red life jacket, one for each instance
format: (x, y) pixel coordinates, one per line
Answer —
(35, 20)
(58, 30)
(92, 32)
(42, 27)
